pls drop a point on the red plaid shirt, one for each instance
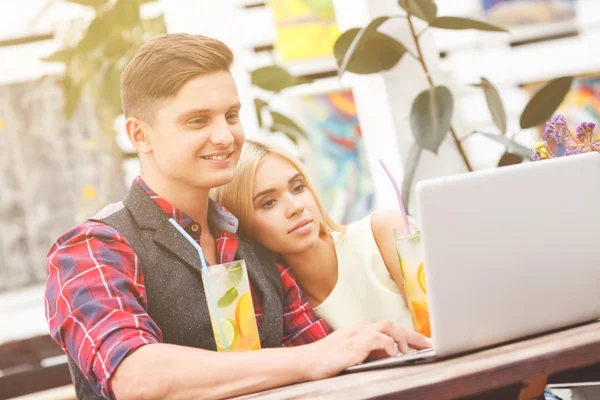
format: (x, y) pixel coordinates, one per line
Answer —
(96, 304)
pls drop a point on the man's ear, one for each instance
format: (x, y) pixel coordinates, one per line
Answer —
(137, 132)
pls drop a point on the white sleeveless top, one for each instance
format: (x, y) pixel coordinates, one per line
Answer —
(365, 290)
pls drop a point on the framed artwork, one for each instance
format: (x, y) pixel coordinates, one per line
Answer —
(512, 13)
(306, 29)
(338, 164)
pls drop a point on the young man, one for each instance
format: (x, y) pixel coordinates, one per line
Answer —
(124, 297)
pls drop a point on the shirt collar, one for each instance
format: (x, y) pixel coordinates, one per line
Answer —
(219, 218)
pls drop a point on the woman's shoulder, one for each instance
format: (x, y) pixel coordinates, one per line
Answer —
(384, 223)
(377, 224)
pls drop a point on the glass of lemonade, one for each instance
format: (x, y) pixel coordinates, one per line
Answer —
(234, 308)
(410, 254)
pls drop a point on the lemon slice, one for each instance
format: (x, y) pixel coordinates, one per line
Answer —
(230, 331)
(421, 278)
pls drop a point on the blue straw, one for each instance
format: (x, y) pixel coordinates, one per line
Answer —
(206, 280)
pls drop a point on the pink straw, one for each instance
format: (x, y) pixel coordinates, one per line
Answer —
(398, 195)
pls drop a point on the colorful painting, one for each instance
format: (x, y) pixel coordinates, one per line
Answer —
(528, 12)
(306, 29)
(342, 176)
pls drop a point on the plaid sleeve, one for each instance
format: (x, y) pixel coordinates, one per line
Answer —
(301, 325)
(95, 301)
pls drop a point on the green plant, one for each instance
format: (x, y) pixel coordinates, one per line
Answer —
(94, 63)
(94, 57)
(273, 79)
(367, 51)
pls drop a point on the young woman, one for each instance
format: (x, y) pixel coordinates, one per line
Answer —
(348, 273)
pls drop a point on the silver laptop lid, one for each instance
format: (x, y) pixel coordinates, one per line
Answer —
(511, 251)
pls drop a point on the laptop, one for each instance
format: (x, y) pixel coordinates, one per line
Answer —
(510, 252)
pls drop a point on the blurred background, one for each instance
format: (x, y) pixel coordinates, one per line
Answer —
(63, 154)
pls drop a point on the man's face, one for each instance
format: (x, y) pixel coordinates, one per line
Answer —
(196, 137)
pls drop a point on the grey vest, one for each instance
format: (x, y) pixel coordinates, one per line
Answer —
(171, 269)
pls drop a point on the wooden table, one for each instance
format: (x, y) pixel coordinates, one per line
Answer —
(518, 370)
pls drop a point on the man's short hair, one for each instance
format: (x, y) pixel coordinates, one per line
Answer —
(163, 65)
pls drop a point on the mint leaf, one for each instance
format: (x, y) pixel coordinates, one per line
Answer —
(234, 274)
(228, 298)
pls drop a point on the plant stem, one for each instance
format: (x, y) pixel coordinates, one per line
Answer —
(423, 31)
(431, 84)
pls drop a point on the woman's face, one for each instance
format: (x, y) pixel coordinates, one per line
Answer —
(286, 215)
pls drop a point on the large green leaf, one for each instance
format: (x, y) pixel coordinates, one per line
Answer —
(122, 16)
(155, 25)
(510, 144)
(96, 33)
(83, 70)
(284, 124)
(464, 23)
(62, 55)
(71, 94)
(259, 105)
(495, 104)
(510, 159)
(422, 9)
(430, 117)
(125, 14)
(363, 36)
(376, 52)
(116, 46)
(409, 171)
(274, 79)
(543, 104)
(111, 91)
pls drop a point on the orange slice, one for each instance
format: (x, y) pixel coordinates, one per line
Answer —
(244, 315)
(421, 278)
(246, 344)
(421, 317)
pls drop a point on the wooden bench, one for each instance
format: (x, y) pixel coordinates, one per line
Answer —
(23, 370)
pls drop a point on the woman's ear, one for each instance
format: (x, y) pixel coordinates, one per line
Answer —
(137, 132)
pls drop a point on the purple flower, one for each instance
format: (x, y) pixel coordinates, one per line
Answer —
(557, 128)
(549, 131)
(559, 120)
(569, 151)
(585, 129)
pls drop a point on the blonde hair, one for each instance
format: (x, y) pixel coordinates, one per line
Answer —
(236, 196)
(163, 65)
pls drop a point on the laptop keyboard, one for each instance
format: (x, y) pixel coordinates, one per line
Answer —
(411, 356)
(413, 352)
